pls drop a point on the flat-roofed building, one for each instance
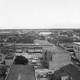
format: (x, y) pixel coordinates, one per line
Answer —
(45, 33)
(28, 48)
(76, 47)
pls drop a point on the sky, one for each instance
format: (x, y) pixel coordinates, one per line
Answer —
(31, 14)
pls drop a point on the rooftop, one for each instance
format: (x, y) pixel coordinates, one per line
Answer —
(44, 33)
(78, 43)
(71, 70)
(42, 42)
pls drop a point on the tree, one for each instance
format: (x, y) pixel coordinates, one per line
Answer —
(28, 37)
(63, 39)
(21, 60)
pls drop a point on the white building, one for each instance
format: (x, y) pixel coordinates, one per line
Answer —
(45, 33)
(76, 47)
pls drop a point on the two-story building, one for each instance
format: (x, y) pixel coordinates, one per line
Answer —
(76, 47)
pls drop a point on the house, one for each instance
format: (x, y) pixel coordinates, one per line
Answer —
(45, 35)
(76, 47)
(9, 59)
(28, 48)
(2, 56)
(68, 72)
(46, 46)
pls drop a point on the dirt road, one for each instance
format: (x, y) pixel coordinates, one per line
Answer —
(21, 72)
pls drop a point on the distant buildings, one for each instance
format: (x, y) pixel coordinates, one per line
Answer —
(2, 56)
(67, 72)
(45, 33)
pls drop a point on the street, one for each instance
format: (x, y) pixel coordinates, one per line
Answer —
(59, 50)
(21, 72)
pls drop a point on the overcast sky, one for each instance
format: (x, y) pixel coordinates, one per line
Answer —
(39, 13)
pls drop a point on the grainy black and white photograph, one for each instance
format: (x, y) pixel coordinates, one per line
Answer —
(39, 40)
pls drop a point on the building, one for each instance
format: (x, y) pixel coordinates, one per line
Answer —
(59, 60)
(9, 59)
(68, 72)
(76, 47)
(45, 33)
(29, 50)
(53, 59)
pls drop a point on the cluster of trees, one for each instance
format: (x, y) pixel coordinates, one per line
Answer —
(20, 38)
(61, 39)
(64, 39)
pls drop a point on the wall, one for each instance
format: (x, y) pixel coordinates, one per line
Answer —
(76, 47)
(59, 60)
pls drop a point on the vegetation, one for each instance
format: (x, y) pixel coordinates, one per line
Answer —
(21, 60)
(16, 38)
(3, 70)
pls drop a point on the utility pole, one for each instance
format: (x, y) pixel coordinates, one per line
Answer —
(1, 43)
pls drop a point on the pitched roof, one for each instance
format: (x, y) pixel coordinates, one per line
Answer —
(71, 70)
